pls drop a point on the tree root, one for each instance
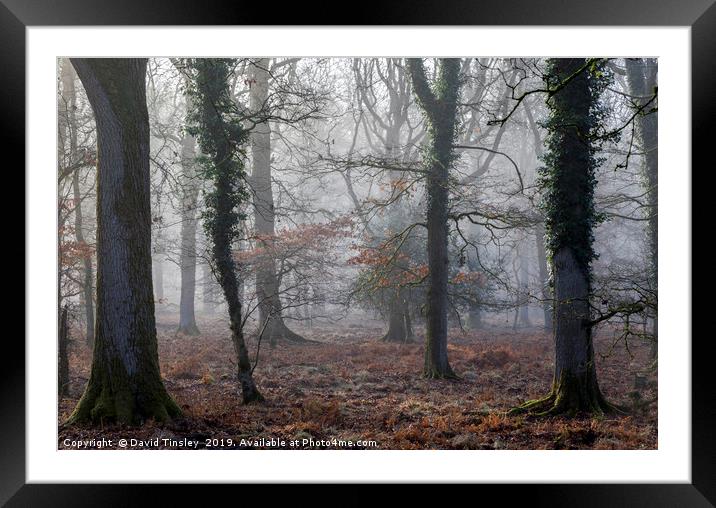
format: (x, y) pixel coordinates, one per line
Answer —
(191, 330)
(434, 373)
(387, 338)
(556, 404)
(103, 406)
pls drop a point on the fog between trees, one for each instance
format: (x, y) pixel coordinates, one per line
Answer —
(437, 197)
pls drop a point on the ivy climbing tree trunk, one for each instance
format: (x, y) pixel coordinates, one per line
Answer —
(569, 182)
(222, 138)
(267, 282)
(439, 104)
(208, 281)
(125, 384)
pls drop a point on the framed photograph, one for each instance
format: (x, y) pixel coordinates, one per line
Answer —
(426, 247)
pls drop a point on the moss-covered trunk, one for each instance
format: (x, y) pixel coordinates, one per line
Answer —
(575, 379)
(222, 140)
(125, 384)
(439, 103)
(226, 272)
(569, 184)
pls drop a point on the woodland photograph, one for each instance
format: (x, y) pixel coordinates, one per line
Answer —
(375, 253)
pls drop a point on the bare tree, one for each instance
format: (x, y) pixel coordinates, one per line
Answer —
(439, 103)
(188, 254)
(267, 281)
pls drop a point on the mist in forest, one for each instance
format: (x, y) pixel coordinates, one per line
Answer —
(409, 253)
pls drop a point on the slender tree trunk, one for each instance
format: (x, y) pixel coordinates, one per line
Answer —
(70, 103)
(439, 104)
(547, 297)
(410, 334)
(642, 77)
(267, 283)
(208, 305)
(158, 276)
(125, 384)
(222, 142)
(190, 189)
(547, 300)
(524, 289)
(63, 368)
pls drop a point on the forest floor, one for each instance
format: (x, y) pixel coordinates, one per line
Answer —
(351, 387)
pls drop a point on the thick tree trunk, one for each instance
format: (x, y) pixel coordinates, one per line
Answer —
(399, 325)
(190, 189)
(575, 388)
(70, 100)
(440, 109)
(436, 359)
(569, 220)
(267, 282)
(575, 378)
(474, 317)
(125, 384)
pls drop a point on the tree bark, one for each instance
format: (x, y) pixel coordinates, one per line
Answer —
(439, 105)
(569, 218)
(187, 262)
(267, 282)
(125, 384)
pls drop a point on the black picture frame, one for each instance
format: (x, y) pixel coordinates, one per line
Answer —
(700, 15)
